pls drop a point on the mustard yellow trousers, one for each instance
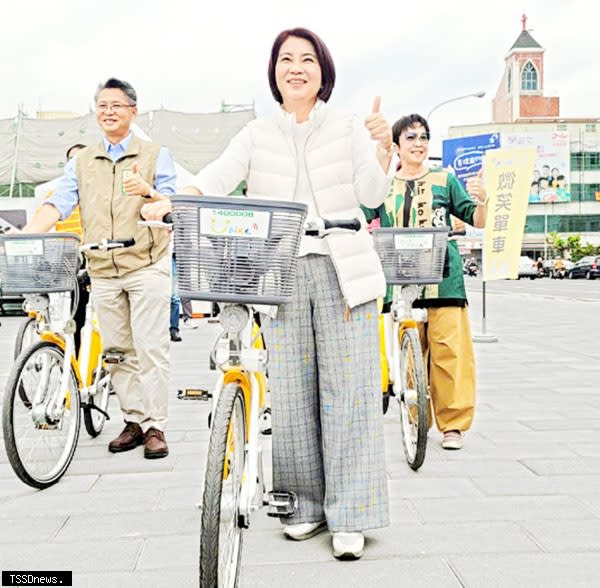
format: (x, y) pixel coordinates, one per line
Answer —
(448, 353)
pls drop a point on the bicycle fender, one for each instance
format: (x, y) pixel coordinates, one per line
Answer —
(59, 342)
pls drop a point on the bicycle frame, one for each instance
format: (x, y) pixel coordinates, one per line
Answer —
(400, 318)
(242, 359)
(90, 354)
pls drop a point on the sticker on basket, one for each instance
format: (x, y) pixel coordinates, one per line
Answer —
(230, 222)
(413, 241)
(20, 247)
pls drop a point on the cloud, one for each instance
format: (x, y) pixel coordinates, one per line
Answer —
(191, 56)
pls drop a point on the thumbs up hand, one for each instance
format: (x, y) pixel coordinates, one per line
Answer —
(475, 188)
(133, 183)
(378, 127)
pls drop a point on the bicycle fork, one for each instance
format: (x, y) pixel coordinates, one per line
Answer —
(46, 413)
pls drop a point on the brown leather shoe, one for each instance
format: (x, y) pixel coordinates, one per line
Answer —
(155, 445)
(131, 436)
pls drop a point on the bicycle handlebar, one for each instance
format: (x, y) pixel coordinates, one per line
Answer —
(165, 223)
(108, 244)
(320, 227)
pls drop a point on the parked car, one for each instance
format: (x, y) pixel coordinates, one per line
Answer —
(587, 267)
(549, 265)
(527, 268)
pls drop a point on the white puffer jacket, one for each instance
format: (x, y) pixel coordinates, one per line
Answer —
(343, 173)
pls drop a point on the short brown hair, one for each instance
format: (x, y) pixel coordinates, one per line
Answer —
(323, 56)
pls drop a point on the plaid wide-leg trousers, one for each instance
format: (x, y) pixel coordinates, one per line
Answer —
(327, 422)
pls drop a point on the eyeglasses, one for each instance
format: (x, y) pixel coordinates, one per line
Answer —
(411, 137)
(102, 107)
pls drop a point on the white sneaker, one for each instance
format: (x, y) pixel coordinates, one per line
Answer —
(348, 545)
(189, 324)
(452, 440)
(303, 531)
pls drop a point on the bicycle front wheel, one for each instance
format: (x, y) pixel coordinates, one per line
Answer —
(26, 336)
(221, 534)
(414, 399)
(93, 418)
(40, 438)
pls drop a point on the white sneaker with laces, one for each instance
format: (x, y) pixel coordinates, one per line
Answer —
(348, 545)
(303, 531)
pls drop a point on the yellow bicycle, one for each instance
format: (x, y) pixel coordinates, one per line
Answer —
(48, 388)
(411, 258)
(241, 253)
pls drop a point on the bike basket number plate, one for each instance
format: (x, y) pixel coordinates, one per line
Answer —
(413, 241)
(18, 248)
(231, 222)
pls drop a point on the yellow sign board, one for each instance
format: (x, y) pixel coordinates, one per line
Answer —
(507, 182)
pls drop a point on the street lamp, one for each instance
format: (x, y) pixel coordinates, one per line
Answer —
(480, 94)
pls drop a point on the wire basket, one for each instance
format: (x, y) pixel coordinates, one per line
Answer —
(412, 255)
(236, 249)
(38, 263)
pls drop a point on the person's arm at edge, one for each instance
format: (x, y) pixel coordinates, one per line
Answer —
(44, 218)
(371, 182)
(59, 206)
(470, 208)
(219, 177)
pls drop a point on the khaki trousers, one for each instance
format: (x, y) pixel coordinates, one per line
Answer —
(448, 352)
(133, 316)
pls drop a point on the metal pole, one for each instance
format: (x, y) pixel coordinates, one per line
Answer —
(13, 175)
(472, 95)
(483, 337)
(545, 231)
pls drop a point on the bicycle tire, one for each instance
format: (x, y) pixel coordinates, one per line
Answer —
(23, 440)
(92, 418)
(220, 553)
(26, 335)
(414, 399)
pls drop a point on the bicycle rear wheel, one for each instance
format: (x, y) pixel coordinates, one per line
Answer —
(221, 534)
(40, 445)
(93, 419)
(414, 399)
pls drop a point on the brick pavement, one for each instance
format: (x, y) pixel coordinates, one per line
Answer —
(518, 506)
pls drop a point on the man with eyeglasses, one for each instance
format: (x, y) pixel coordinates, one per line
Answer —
(111, 181)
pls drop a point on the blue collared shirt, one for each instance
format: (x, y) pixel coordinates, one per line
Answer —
(66, 195)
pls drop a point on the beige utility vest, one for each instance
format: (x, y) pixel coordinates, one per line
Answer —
(108, 213)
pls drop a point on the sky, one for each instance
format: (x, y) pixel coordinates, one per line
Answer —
(189, 56)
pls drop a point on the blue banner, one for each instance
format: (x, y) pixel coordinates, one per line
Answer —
(464, 156)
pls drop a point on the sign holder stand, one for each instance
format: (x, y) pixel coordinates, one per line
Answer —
(484, 337)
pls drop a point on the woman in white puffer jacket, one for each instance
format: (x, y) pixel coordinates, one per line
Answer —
(324, 376)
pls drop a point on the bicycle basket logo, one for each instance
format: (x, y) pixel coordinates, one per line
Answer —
(226, 222)
(413, 241)
(18, 248)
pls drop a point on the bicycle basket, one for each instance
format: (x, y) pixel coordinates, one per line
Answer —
(236, 249)
(412, 255)
(38, 263)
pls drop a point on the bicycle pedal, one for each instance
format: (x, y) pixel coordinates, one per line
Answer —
(113, 356)
(193, 394)
(281, 504)
(265, 422)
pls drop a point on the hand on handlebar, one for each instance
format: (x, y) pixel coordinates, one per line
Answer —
(156, 211)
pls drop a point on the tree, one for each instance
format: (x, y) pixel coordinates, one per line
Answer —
(572, 244)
